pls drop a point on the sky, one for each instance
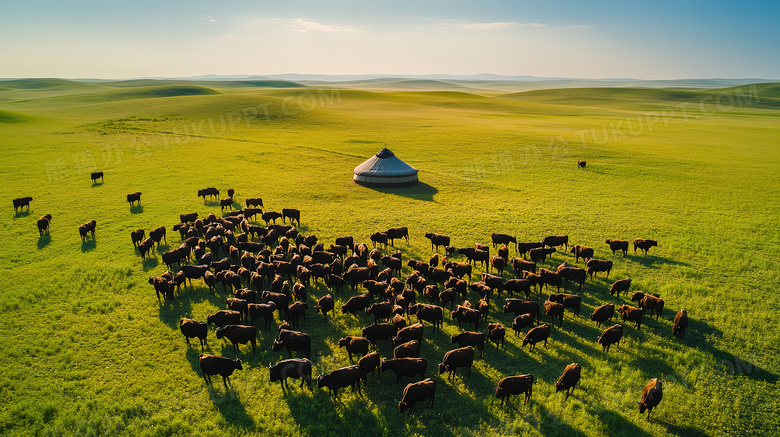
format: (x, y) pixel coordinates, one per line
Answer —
(571, 38)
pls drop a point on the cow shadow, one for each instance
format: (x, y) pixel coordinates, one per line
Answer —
(43, 241)
(88, 245)
(651, 261)
(150, 263)
(21, 214)
(686, 431)
(617, 424)
(136, 209)
(211, 203)
(96, 184)
(421, 191)
(550, 423)
(230, 405)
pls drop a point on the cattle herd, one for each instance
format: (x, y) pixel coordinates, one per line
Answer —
(268, 270)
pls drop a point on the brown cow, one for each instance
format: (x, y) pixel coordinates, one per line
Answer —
(417, 392)
(620, 286)
(616, 245)
(680, 324)
(603, 313)
(610, 336)
(583, 252)
(652, 394)
(569, 379)
(515, 385)
(632, 314)
(644, 245)
(653, 304)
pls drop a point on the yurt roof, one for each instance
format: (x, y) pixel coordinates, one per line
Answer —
(385, 163)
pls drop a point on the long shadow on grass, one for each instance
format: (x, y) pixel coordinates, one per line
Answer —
(20, 214)
(136, 209)
(43, 241)
(421, 191)
(685, 431)
(96, 184)
(616, 424)
(88, 245)
(651, 261)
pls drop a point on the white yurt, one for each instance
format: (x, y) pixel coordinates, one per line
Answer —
(385, 170)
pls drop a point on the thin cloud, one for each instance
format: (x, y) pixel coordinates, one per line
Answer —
(304, 25)
(499, 25)
(581, 26)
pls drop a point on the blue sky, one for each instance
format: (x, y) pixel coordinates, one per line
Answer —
(598, 39)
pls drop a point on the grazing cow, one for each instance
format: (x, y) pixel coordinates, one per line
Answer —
(583, 252)
(466, 315)
(368, 364)
(574, 274)
(653, 304)
(381, 311)
(620, 286)
(517, 286)
(134, 197)
(281, 300)
(554, 309)
(213, 365)
(448, 296)
(459, 270)
(188, 218)
(145, 247)
(610, 336)
(468, 338)
(379, 238)
(335, 283)
(503, 252)
(296, 368)
(240, 305)
(515, 385)
(497, 239)
(409, 333)
(644, 245)
(521, 306)
(496, 333)
(87, 228)
(550, 277)
(254, 201)
(474, 255)
(94, 176)
(292, 214)
(45, 221)
(355, 345)
(428, 313)
(437, 240)
(525, 247)
(22, 202)
(522, 321)
(340, 378)
(238, 334)
(568, 300)
(397, 233)
(581, 165)
(379, 331)
(346, 241)
(417, 392)
(556, 241)
(264, 310)
(211, 192)
(616, 245)
(462, 357)
(324, 305)
(652, 394)
(193, 328)
(170, 257)
(137, 236)
(224, 318)
(569, 379)
(603, 313)
(295, 312)
(270, 216)
(632, 314)
(520, 266)
(439, 276)
(540, 254)
(163, 287)
(292, 341)
(227, 202)
(410, 349)
(537, 334)
(356, 303)
(598, 265)
(680, 324)
(404, 367)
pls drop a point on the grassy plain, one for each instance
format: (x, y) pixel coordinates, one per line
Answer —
(87, 349)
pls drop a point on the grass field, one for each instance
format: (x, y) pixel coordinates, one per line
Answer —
(88, 350)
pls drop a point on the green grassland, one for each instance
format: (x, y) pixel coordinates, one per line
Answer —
(87, 349)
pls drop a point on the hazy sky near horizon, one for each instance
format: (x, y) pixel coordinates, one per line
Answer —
(571, 38)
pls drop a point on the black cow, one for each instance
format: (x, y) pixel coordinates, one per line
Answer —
(45, 222)
(428, 313)
(192, 329)
(574, 274)
(610, 336)
(616, 245)
(568, 301)
(569, 379)
(213, 365)
(410, 349)
(525, 247)
(21, 203)
(368, 364)
(238, 334)
(515, 385)
(497, 239)
(134, 197)
(521, 306)
(462, 357)
(340, 378)
(266, 311)
(94, 176)
(418, 392)
(598, 265)
(292, 341)
(224, 317)
(644, 245)
(296, 368)
(540, 254)
(409, 333)
(680, 324)
(324, 305)
(620, 286)
(468, 338)
(355, 345)
(404, 367)
(396, 233)
(295, 312)
(356, 303)
(466, 315)
(270, 216)
(379, 331)
(653, 304)
(254, 201)
(583, 252)
(188, 218)
(556, 241)
(211, 192)
(652, 394)
(292, 214)
(517, 286)
(535, 335)
(554, 309)
(137, 236)
(522, 321)
(381, 311)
